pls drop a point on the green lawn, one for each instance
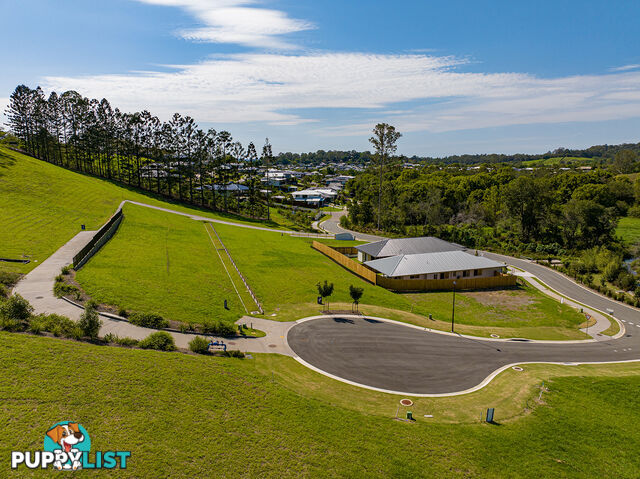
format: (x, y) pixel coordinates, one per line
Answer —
(629, 230)
(42, 207)
(195, 416)
(163, 263)
(283, 272)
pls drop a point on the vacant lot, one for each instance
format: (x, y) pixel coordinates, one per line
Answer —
(163, 263)
(283, 271)
(44, 205)
(194, 416)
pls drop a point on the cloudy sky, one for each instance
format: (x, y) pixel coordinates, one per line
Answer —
(453, 76)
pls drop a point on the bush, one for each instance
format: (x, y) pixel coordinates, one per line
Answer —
(123, 313)
(148, 320)
(61, 289)
(160, 340)
(66, 270)
(10, 324)
(234, 353)
(218, 328)
(199, 345)
(59, 326)
(59, 278)
(4, 291)
(16, 307)
(114, 338)
(90, 321)
(9, 279)
(634, 211)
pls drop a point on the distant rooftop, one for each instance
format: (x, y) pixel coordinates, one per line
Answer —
(393, 247)
(427, 263)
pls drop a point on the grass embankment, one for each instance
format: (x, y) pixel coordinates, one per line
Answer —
(162, 263)
(629, 230)
(283, 272)
(193, 416)
(44, 205)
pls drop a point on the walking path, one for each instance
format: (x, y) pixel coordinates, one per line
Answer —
(353, 349)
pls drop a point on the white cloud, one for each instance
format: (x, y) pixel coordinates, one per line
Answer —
(236, 21)
(625, 68)
(286, 90)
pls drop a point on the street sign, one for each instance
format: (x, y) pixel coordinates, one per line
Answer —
(490, 412)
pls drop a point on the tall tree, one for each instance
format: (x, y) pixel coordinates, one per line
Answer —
(267, 157)
(384, 141)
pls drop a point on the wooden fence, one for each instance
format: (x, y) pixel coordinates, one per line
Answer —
(351, 265)
(403, 285)
(103, 235)
(394, 284)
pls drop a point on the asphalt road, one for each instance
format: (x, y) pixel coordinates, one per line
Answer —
(332, 225)
(395, 357)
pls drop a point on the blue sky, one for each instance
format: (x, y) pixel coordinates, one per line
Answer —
(454, 76)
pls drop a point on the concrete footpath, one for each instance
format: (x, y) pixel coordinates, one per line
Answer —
(37, 288)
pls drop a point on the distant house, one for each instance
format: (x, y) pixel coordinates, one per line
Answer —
(404, 246)
(442, 265)
(315, 196)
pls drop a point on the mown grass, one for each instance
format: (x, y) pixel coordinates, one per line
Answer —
(162, 263)
(194, 416)
(557, 160)
(629, 230)
(44, 205)
(283, 271)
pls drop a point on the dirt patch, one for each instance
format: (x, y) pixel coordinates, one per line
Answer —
(505, 299)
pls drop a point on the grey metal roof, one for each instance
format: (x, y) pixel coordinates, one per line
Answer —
(427, 263)
(393, 247)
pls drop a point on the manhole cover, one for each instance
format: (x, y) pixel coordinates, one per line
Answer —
(273, 346)
(39, 297)
(517, 368)
(406, 402)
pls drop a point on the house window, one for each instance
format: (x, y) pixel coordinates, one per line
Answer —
(477, 272)
(414, 276)
(465, 274)
(444, 275)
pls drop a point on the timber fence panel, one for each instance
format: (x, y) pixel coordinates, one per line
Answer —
(103, 235)
(446, 284)
(346, 262)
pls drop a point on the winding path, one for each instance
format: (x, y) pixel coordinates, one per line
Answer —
(374, 352)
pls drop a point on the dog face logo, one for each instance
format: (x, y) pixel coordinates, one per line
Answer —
(68, 440)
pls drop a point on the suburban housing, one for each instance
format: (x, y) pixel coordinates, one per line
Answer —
(394, 247)
(441, 265)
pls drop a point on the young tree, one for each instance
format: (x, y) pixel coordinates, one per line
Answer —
(89, 321)
(325, 290)
(384, 141)
(356, 294)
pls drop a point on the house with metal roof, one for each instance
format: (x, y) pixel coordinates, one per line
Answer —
(404, 246)
(440, 265)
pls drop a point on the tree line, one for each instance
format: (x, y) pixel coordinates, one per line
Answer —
(499, 207)
(173, 158)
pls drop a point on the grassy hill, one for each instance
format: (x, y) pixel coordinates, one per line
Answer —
(555, 161)
(195, 416)
(629, 230)
(44, 205)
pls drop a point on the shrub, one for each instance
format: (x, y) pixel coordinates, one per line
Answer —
(90, 321)
(10, 324)
(160, 340)
(634, 211)
(114, 338)
(199, 345)
(59, 326)
(148, 320)
(218, 328)
(9, 279)
(16, 307)
(4, 291)
(123, 313)
(234, 353)
(66, 270)
(61, 289)
(59, 278)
